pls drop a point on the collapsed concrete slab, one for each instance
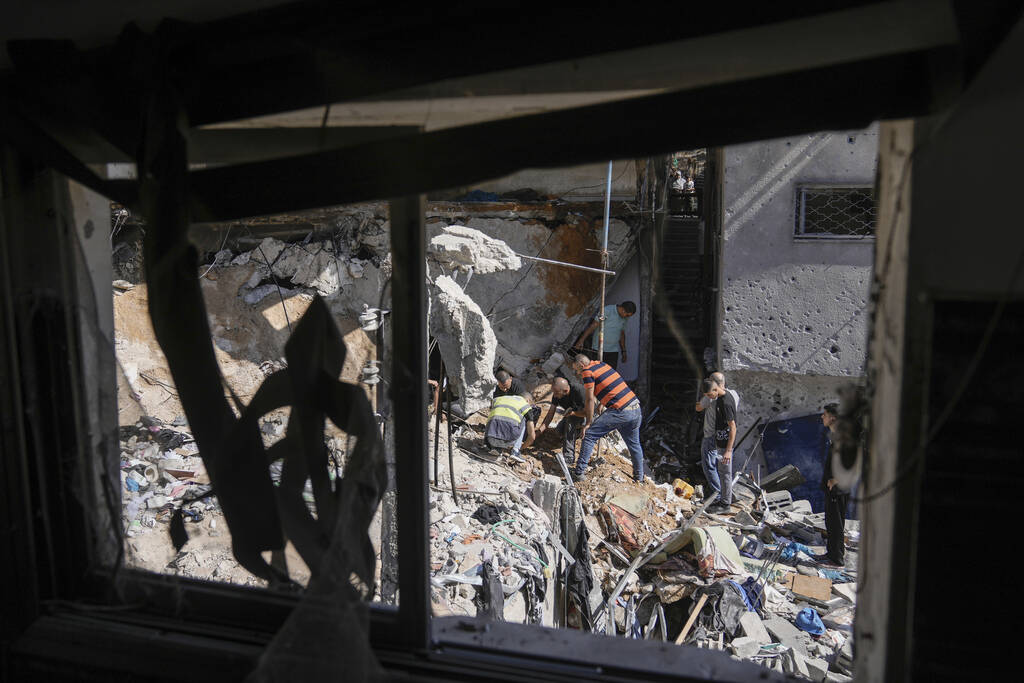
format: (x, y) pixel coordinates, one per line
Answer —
(460, 248)
(466, 341)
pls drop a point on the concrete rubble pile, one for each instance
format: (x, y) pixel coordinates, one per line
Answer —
(515, 541)
(744, 582)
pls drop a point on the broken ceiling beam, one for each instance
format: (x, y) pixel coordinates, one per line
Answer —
(839, 37)
(844, 96)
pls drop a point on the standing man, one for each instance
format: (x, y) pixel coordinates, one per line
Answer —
(510, 424)
(570, 399)
(507, 385)
(615, 317)
(622, 413)
(707, 443)
(716, 457)
(836, 499)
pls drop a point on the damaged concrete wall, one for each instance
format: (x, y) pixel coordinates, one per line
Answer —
(793, 311)
(539, 304)
(342, 253)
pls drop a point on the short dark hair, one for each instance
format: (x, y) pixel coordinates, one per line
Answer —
(502, 376)
(628, 307)
(707, 385)
(832, 409)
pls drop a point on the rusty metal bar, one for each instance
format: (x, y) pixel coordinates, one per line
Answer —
(567, 265)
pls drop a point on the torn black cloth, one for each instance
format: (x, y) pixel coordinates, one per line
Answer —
(489, 513)
(579, 579)
(170, 439)
(726, 604)
(490, 598)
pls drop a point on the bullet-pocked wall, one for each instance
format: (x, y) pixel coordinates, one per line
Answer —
(794, 299)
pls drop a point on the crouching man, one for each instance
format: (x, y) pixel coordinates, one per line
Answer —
(510, 424)
(570, 399)
(622, 413)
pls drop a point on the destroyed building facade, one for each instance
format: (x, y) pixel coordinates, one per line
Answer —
(797, 237)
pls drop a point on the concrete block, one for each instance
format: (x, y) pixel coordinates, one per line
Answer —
(846, 590)
(752, 627)
(745, 647)
(796, 663)
(545, 494)
(817, 669)
(743, 517)
(787, 634)
(834, 677)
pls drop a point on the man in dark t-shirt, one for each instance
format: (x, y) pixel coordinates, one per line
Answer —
(836, 499)
(570, 399)
(717, 461)
(508, 385)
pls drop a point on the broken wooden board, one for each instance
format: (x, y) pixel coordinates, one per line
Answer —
(814, 587)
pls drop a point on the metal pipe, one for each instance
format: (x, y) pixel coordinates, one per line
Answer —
(568, 265)
(451, 459)
(604, 259)
(437, 411)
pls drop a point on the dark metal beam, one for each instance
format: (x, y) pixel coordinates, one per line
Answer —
(409, 398)
(837, 97)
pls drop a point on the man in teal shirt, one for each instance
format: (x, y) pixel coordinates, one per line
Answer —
(615, 317)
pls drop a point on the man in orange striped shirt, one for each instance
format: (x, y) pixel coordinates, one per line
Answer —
(622, 413)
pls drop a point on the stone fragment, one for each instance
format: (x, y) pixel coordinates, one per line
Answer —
(817, 669)
(846, 590)
(754, 628)
(462, 248)
(553, 363)
(796, 663)
(545, 494)
(745, 647)
(787, 634)
(743, 517)
(466, 341)
(834, 677)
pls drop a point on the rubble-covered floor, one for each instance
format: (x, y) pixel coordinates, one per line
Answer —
(508, 527)
(623, 518)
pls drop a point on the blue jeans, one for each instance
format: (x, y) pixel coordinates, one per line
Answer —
(626, 421)
(716, 470)
(519, 441)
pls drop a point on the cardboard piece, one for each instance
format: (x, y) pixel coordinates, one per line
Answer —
(814, 587)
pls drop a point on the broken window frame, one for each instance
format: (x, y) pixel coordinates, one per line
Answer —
(800, 209)
(138, 622)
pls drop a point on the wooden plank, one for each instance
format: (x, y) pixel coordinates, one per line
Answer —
(814, 587)
(693, 617)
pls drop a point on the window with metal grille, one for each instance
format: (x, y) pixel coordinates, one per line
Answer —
(835, 211)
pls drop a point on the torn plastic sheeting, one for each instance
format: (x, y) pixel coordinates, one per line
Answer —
(620, 527)
(466, 578)
(714, 548)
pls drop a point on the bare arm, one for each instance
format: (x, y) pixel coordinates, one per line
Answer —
(586, 333)
(531, 434)
(622, 343)
(588, 409)
(732, 439)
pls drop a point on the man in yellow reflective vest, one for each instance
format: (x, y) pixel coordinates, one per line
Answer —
(510, 423)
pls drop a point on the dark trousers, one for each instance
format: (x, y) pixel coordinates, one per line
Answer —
(835, 525)
(569, 427)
